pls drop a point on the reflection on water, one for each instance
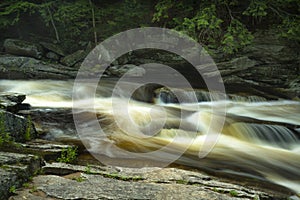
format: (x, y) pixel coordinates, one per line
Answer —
(259, 139)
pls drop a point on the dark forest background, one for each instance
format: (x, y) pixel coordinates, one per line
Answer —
(223, 25)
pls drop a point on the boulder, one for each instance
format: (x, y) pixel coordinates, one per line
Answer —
(23, 48)
(53, 56)
(53, 48)
(74, 58)
(129, 69)
(12, 102)
(18, 128)
(17, 67)
(16, 169)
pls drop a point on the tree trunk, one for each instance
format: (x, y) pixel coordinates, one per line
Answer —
(94, 23)
(53, 24)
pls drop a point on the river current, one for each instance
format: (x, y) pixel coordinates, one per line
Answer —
(253, 139)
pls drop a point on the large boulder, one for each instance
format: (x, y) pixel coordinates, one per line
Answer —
(23, 48)
(74, 58)
(53, 48)
(16, 67)
(16, 169)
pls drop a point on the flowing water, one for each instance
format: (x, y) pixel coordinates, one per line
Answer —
(258, 139)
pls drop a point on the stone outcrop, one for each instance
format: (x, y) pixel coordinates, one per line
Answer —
(64, 181)
(53, 48)
(74, 58)
(23, 48)
(17, 67)
(16, 169)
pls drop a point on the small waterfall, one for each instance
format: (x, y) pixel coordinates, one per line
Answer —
(273, 135)
(165, 95)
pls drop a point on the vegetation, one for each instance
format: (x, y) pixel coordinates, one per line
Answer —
(4, 135)
(12, 189)
(27, 135)
(227, 25)
(68, 155)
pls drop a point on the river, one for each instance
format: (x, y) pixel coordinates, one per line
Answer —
(253, 139)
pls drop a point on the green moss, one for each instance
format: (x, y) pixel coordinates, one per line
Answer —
(27, 135)
(233, 193)
(181, 182)
(122, 177)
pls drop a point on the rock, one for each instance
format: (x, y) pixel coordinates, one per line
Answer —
(235, 65)
(74, 58)
(295, 85)
(270, 48)
(105, 182)
(48, 150)
(18, 128)
(129, 69)
(11, 102)
(52, 56)
(16, 169)
(23, 48)
(14, 67)
(53, 48)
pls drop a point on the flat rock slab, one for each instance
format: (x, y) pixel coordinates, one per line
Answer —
(15, 169)
(106, 182)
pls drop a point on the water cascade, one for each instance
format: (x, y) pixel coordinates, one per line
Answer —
(259, 139)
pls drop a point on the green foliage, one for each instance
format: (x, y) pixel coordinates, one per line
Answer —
(27, 135)
(233, 193)
(205, 26)
(12, 189)
(68, 155)
(237, 36)
(256, 8)
(11, 11)
(226, 24)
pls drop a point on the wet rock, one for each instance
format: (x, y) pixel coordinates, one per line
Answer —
(74, 58)
(12, 102)
(53, 48)
(16, 169)
(23, 48)
(14, 67)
